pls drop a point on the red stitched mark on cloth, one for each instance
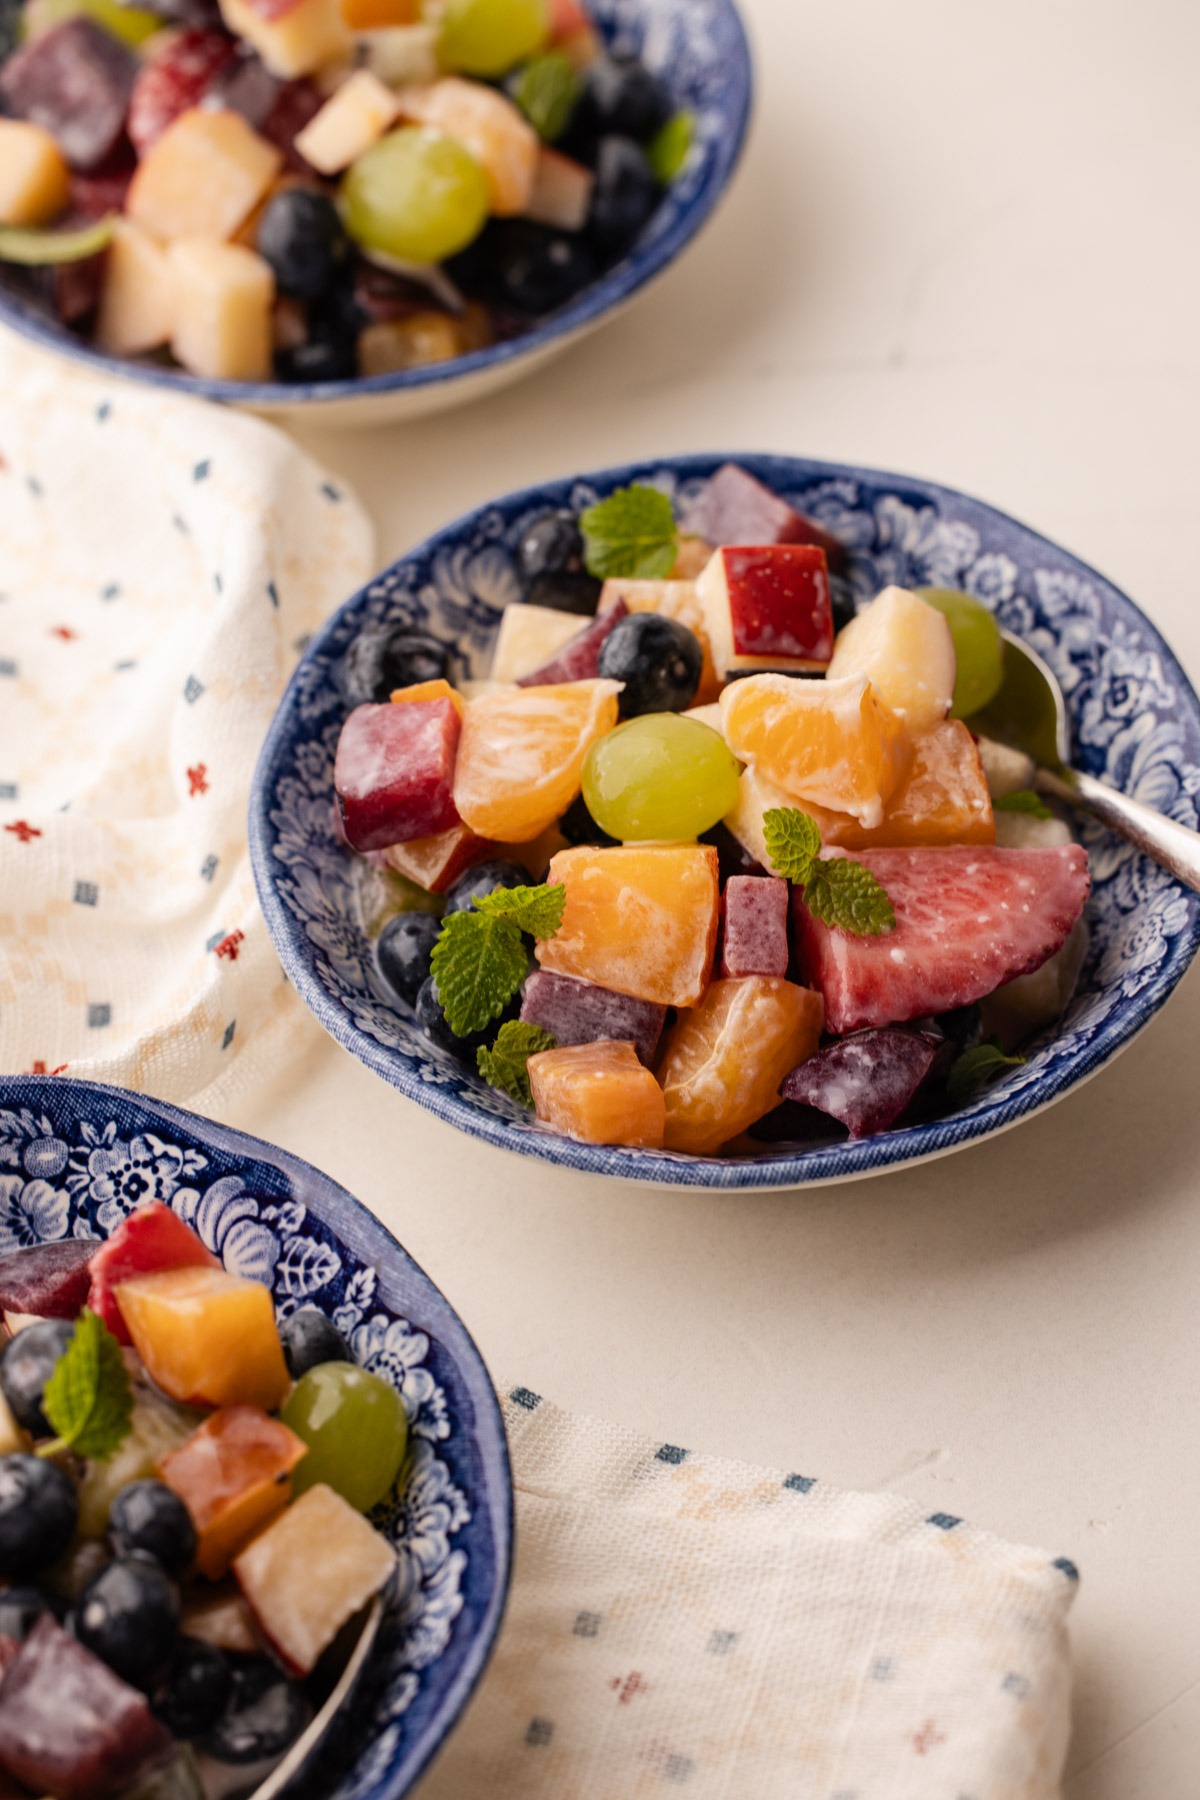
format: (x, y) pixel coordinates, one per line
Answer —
(23, 830)
(64, 632)
(39, 1068)
(627, 1687)
(927, 1738)
(229, 946)
(197, 780)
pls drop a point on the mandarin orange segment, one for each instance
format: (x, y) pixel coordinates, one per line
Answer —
(832, 743)
(520, 756)
(640, 918)
(675, 599)
(724, 1063)
(599, 1092)
(429, 690)
(943, 799)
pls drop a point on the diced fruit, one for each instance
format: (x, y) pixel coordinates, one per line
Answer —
(417, 195)
(579, 657)
(220, 1616)
(530, 636)
(435, 863)
(137, 300)
(723, 1063)
(568, 18)
(12, 1437)
(735, 508)
(203, 176)
(429, 690)
(966, 921)
(50, 1280)
(34, 178)
(131, 25)
(294, 40)
(38, 1510)
(943, 799)
(767, 607)
(158, 1426)
(831, 742)
(351, 120)
(488, 37)
(978, 648)
(411, 343)
(578, 1012)
(345, 1561)
(562, 192)
(394, 772)
(398, 54)
(520, 758)
(755, 935)
(599, 1092)
(659, 777)
(693, 557)
(70, 1727)
(301, 235)
(151, 1238)
(75, 81)
(1034, 1001)
(1007, 771)
(675, 599)
(867, 1081)
(356, 1429)
(1024, 831)
(381, 16)
(502, 143)
(232, 1474)
(128, 1615)
(175, 76)
(641, 920)
(223, 298)
(905, 647)
(206, 1338)
(26, 1365)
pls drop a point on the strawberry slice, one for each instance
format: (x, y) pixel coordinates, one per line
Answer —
(174, 78)
(152, 1238)
(967, 920)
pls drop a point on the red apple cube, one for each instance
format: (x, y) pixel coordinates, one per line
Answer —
(176, 75)
(50, 1281)
(579, 1012)
(735, 508)
(75, 81)
(579, 658)
(151, 1238)
(435, 863)
(562, 192)
(394, 772)
(756, 926)
(767, 607)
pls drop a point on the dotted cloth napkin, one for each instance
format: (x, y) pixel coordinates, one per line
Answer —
(676, 1624)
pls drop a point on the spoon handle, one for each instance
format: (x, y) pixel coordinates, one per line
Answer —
(1172, 845)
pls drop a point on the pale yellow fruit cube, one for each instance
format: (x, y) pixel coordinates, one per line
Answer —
(206, 173)
(530, 636)
(137, 302)
(906, 648)
(299, 41)
(483, 121)
(355, 118)
(34, 180)
(223, 298)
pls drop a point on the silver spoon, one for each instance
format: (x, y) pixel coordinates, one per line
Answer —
(1030, 714)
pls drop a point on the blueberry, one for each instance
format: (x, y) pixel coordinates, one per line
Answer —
(329, 357)
(128, 1616)
(432, 1021)
(309, 1338)
(622, 97)
(565, 591)
(20, 1610)
(658, 659)
(403, 950)
(578, 826)
(624, 196)
(302, 237)
(149, 1517)
(265, 1713)
(537, 270)
(196, 1692)
(484, 878)
(38, 1512)
(391, 657)
(26, 1366)
(551, 545)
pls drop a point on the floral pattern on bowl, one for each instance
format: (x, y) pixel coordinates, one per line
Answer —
(1135, 717)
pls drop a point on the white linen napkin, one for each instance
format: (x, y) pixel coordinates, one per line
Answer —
(676, 1623)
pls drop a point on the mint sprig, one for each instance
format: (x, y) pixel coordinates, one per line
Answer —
(793, 842)
(976, 1068)
(506, 1064)
(537, 910)
(630, 536)
(669, 149)
(547, 92)
(88, 1400)
(836, 890)
(479, 961)
(1024, 801)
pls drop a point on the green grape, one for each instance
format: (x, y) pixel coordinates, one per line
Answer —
(977, 647)
(129, 23)
(660, 776)
(490, 37)
(415, 195)
(356, 1430)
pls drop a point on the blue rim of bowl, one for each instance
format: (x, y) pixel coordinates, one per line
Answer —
(363, 1233)
(785, 1167)
(602, 297)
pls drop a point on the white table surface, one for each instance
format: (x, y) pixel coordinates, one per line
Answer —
(963, 244)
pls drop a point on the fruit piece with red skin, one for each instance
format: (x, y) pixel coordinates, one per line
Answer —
(75, 81)
(295, 104)
(579, 658)
(394, 772)
(50, 1280)
(579, 1012)
(755, 940)
(175, 76)
(206, 1338)
(866, 1081)
(103, 190)
(152, 1237)
(767, 607)
(736, 508)
(435, 863)
(70, 1727)
(562, 192)
(967, 920)
(233, 1474)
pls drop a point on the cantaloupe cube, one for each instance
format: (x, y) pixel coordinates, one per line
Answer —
(349, 122)
(601, 1093)
(380, 15)
(483, 121)
(304, 38)
(137, 301)
(723, 1064)
(35, 183)
(232, 1474)
(202, 177)
(528, 637)
(207, 1338)
(223, 302)
(429, 690)
(905, 647)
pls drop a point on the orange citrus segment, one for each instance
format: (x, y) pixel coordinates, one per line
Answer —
(943, 799)
(641, 919)
(520, 756)
(724, 1063)
(600, 1093)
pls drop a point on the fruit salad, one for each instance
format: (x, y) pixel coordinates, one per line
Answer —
(314, 190)
(710, 860)
(183, 1484)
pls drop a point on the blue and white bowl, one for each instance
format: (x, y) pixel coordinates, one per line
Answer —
(1135, 719)
(699, 50)
(76, 1158)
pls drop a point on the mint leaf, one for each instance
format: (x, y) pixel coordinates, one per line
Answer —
(34, 248)
(88, 1400)
(793, 842)
(841, 892)
(630, 536)
(1024, 801)
(505, 1065)
(668, 150)
(547, 91)
(974, 1069)
(537, 910)
(478, 964)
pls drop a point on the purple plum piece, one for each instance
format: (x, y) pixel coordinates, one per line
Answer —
(576, 1012)
(579, 658)
(51, 1280)
(867, 1080)
(755, 940)
(735, 508)
(71, 1728)
(76, 81)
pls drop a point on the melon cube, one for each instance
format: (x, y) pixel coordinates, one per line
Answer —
(868, 1081)
(906, 648)
(599, 1092)
(207, 1338)
(75, 80)
(348, 124)
(579, 658)
(48, 1280)
(692, 557)
(203, 177)
(220, 1616)
(528, 637)
(767, 607)
(562, 192)
(487, 124)
(233, 1474)
(344, 1560)
(723, 1063)
(223, 299)
(521, 756)
(641, 919)
(137, 300)
(291, 40)
(736, 508)
(755, 940)
(394, 772)
(675, 599)
(34, 179)
(579, 1012)
(396, 53)
(435, 863)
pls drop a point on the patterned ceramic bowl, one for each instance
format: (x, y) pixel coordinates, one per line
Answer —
(1135, 717)
(699, 49)
(76, 1158)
